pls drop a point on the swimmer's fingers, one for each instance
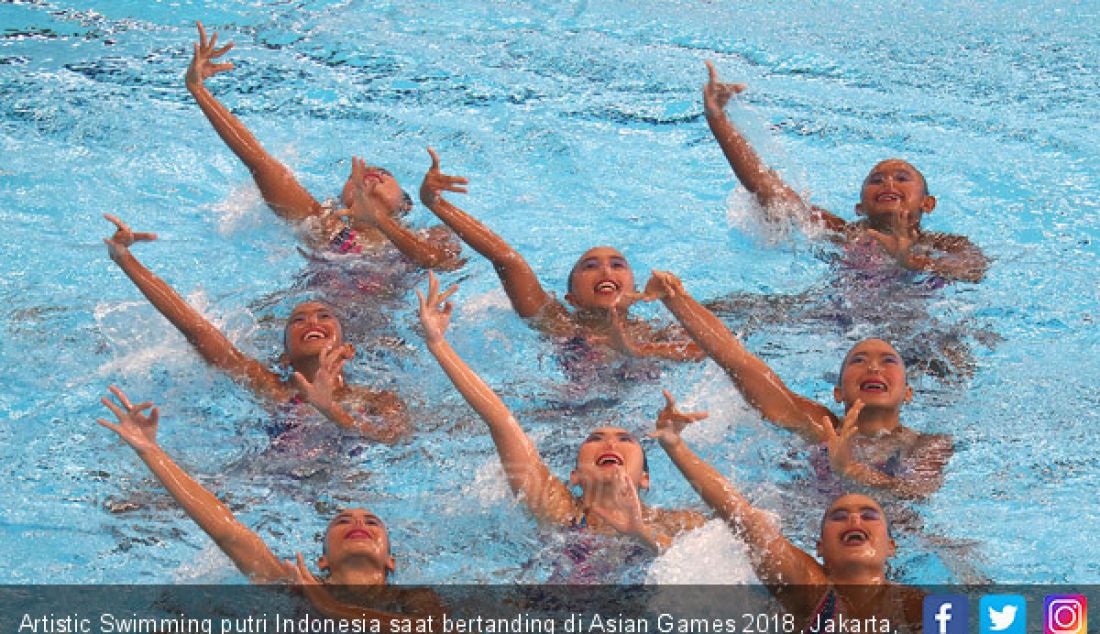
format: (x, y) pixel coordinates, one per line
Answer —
(120, 396)
(305, 577)
(109, 404)
(825, 430)
(117, 222)
(435, 160)
(202, 33)
(446, 295)
(218, 52)
(144, 236)
(712, 72)
(848, 428)
(670, 402)
(454, 183)
(112, 426)
(300, 382)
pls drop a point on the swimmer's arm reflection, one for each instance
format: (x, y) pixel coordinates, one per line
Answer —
(247, 550)
(528, 476)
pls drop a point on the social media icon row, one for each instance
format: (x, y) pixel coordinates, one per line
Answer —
(1004, 614)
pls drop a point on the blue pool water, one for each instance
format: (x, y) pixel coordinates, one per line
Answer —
(578, 123)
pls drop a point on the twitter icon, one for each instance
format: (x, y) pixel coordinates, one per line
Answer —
(1002, 614)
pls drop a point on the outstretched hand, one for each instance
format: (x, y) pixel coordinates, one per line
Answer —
(329, 377)
(671, 421)
(119, 243)
(202, 64)
(436, 182)
(136, 429)
(899, 243)
(840, 444)
(716, 94)
(435, 310)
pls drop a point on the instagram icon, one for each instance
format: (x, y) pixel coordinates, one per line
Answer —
(1065, 614)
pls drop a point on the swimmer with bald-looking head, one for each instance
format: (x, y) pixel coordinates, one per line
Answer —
(610, 470)
(893, 200)
(869, 445)
(373, 202)
(854, 544)
(356, 550)
(314, 349)
(597, 283)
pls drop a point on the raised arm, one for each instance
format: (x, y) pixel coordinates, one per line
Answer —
(756, 177)
(774, 558)
(251, 555)
(425, 251)
(547, 497)
(208, 341)
(520, 283)
(760, 386)
(281, 191)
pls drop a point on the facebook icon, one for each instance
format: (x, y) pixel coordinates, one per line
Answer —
(946, 614)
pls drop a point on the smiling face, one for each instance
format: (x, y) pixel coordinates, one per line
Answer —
(894, 186)
(874, 372)
(854, 531)
(311, 328)
(357, 537)
(604, 453)
(599, 278)
(383, 189)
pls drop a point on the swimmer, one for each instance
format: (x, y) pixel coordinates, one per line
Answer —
(854, 545)
(893, 200)
(597, 282)
(313, 348)
(361, 225)
(611, 465)
(869, 446)
(356, 548)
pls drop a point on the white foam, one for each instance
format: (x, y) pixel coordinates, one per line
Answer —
(142, 338)
(710, 554)
(210, 565)
(241, 211)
